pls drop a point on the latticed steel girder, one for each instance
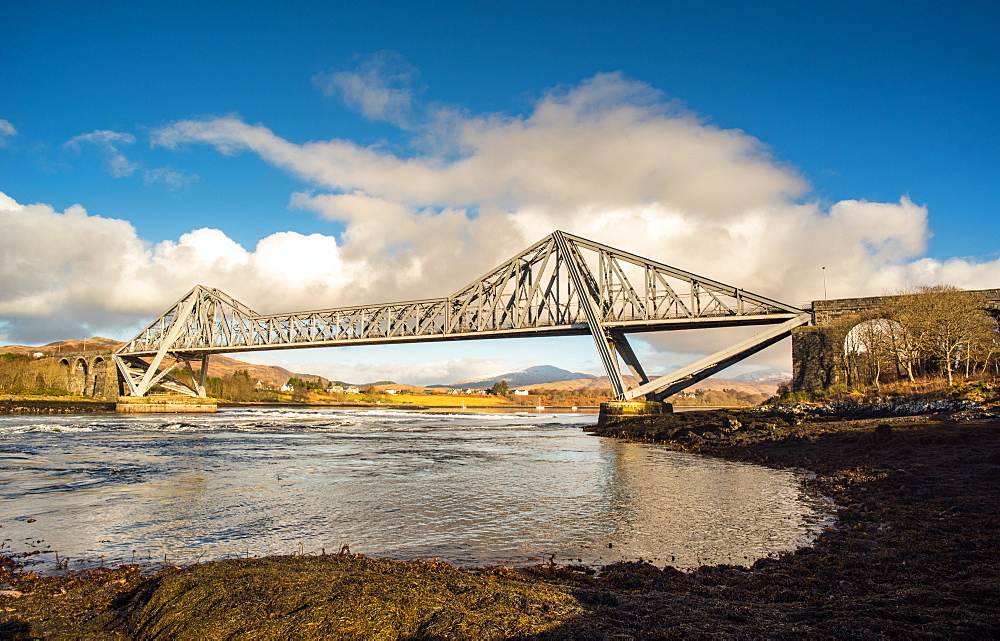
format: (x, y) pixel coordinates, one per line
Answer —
(562, 285)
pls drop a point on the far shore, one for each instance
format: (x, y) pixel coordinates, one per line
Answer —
(27, 404)
(24, 404)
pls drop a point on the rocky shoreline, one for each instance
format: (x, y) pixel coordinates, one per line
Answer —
(915, 552)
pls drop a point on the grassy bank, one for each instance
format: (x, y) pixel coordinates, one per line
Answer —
(915, 553)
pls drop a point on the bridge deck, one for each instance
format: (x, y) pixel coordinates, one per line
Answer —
(579, 329)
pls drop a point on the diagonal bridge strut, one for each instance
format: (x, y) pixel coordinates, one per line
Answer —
(562, 285)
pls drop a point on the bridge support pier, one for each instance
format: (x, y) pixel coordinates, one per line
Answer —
(164, 404)
(615, 411)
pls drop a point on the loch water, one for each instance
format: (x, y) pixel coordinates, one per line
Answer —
(471, 488)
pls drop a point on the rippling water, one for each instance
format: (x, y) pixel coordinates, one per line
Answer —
(469, 488)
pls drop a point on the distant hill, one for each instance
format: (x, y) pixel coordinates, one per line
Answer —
(223, 365)
(771, 375)
(601, 383)
(217, 365)
(555, 378)
(768, 388)
(539, 374)
(71, 345)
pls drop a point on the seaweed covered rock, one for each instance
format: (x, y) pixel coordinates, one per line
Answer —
(336, 596)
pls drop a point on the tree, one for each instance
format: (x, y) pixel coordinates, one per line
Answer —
(944, 325)
(500, 389)
(19, 373)
(238, 386)
(873, 345)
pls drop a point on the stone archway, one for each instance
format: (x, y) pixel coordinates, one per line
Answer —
(817, 350)
(68, 374)
(875, 351)
(90, 374)
(80, 375)
(97, 368)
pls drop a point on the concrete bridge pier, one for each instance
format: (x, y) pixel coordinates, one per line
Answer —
(165, 404)
(614, 412)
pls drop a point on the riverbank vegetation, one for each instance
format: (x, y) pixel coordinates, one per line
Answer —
(24, 374)
(978, 390)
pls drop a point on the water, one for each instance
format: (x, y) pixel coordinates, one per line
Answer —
(470, 488)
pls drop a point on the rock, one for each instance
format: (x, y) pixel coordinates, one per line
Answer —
(13, 594)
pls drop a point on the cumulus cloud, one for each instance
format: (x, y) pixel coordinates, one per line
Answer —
(611, 159)
(110, 143)
(6, 130)
(94, 274)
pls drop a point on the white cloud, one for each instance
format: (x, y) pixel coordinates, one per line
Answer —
(110, 143)
(94, 272)
(381, 87)
(6, 130)
(169, 177)
(609, 159)
(119, 166)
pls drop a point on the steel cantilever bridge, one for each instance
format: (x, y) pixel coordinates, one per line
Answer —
(562, 285)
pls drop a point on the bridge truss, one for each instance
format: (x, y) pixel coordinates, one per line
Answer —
(562, 285)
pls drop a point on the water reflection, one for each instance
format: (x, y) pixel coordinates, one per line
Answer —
(471, 489)
(687, 510)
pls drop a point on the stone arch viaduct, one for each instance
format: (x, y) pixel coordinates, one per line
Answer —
(816, 362)
(90, 373)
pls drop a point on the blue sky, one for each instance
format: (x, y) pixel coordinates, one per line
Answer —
(859, 136)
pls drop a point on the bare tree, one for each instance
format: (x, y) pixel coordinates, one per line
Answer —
(942, 324)
(22, 373)
(872, 347)
(847, 361)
